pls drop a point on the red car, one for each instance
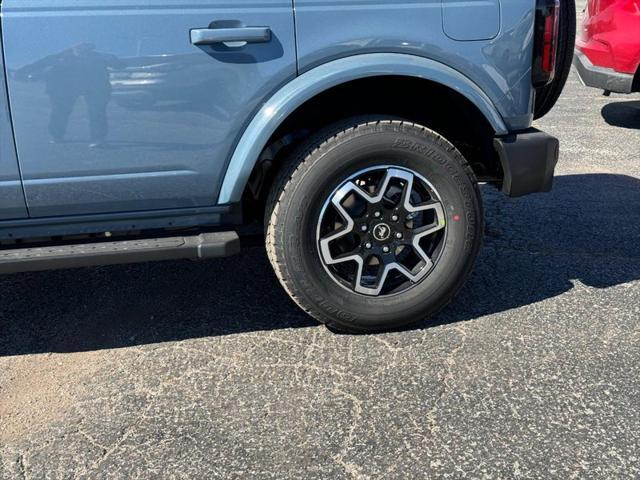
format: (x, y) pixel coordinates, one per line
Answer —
(607, 54)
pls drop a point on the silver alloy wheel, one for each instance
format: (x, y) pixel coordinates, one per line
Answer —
(381, 231)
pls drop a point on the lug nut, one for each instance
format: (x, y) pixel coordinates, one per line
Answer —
(368, 245)
(394, 218)
(385, 249)
(364, 228)
(377, 214)
(398, 235)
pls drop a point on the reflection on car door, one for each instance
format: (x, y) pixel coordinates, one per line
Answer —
(115, 109)
(12, 203)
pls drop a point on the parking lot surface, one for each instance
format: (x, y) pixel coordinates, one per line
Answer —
(208, 370)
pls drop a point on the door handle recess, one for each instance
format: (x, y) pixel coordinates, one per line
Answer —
(212, 36)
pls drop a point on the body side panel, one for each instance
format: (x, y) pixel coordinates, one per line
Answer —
(115, 110)
(500, 66)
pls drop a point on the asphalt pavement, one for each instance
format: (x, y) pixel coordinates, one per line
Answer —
(208, 370)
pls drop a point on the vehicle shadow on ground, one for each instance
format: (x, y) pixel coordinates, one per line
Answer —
(586, 230)
(622, 114)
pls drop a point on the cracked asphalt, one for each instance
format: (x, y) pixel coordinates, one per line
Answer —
(208, 370)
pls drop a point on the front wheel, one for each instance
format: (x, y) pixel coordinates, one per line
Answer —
(374, 225)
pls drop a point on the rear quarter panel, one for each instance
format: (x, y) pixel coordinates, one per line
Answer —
(495, 52)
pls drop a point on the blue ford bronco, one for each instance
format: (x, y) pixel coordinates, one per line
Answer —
(353, 134)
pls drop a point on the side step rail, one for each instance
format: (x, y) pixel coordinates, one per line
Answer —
(197, 247)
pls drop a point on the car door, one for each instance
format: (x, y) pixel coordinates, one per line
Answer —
(123, 105)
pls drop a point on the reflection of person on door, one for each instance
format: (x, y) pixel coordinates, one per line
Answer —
(77, 72)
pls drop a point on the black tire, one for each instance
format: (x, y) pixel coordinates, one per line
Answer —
(547, 96)
(317, 169)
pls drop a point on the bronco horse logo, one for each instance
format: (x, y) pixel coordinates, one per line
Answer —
(381, 232)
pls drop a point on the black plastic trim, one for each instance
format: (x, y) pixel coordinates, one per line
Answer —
(197, 247)
(528, 160)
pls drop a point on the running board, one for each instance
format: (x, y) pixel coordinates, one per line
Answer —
(198, 247)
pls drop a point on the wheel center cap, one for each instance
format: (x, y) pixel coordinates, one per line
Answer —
(381, 232)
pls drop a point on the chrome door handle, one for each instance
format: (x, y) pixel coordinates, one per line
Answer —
(243, 35)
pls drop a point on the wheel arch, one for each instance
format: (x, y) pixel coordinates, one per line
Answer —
(324, 77)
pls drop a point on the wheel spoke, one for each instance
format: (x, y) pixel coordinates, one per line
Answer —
(427, 230)
(382, 277)
(428, 263)
(336, 201)
(390, 174)
(425, 207)
(406, 194)
(383, 271)
(404, 271)
(346, 257)
(424, 232)
(358, 278)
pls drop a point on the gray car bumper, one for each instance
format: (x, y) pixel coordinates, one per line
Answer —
(599, 77)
